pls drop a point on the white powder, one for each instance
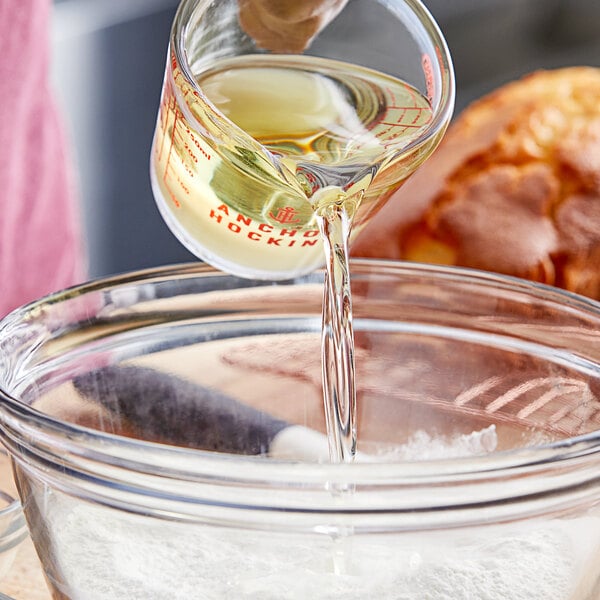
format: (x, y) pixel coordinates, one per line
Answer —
(109, 555)
(300, 443)
(106, 554)
(112, 555)
(423, 446)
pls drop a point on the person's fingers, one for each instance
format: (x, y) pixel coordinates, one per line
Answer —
(286, 25)
(274, 34)
(294, 11)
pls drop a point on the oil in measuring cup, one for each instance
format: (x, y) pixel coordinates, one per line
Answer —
(240, 161)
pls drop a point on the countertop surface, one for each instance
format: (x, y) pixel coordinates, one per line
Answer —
(25, 581)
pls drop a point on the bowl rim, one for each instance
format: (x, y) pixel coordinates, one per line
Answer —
(193, 269)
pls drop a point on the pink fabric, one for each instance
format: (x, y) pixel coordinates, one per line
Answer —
(40, 234)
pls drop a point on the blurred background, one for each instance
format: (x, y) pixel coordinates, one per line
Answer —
(108, 59)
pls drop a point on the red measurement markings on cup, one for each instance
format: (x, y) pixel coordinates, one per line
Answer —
(400, 118)
(428, 73)
(193, 145)
(179, 139)
(168, 106)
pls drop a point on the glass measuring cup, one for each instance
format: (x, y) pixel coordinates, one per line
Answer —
(250, 143)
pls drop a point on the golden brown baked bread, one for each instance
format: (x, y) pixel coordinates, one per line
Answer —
(513, 188)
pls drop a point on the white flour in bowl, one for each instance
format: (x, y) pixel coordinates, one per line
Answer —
(107, 554)
(108, 557)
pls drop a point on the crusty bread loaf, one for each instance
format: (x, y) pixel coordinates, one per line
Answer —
(513, 188)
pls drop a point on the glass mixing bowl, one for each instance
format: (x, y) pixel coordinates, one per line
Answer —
(168, 437)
